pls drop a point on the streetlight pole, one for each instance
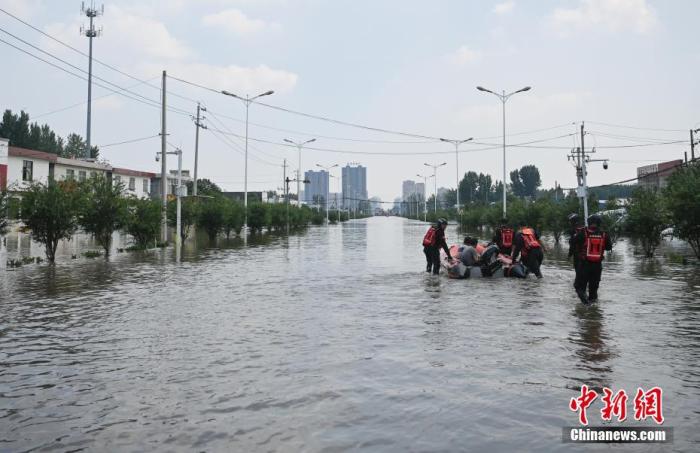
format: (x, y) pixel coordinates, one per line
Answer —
(178, 194)
(328, 170)
(457, 143)
(247, 100)
(504, 97)
(299, 146)
(435, 167)
(425, 200)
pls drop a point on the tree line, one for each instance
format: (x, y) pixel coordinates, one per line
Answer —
(18, 129)
(97, 206)
(647, 214)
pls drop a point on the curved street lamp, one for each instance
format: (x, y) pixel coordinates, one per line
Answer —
(457, 143)
(247, 100)
(299, 146)
(435, 167)
(504, 97)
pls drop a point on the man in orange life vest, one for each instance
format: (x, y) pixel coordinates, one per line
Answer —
(527, 244)
(591, 243)
(503, 237)
(433, 241)
(576, 226)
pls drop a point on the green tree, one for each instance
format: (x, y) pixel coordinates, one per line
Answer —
(258, 216)
(204, 187)
(50, 212)
(468, 187)
(516, 185)
(15, 128)
(144, 220)
(75, 147)
(4, 212)
(189, 212)
(234, 217)
(683, 200)
(646, 219)
(211, 216)
(102, 210)
(530, 177)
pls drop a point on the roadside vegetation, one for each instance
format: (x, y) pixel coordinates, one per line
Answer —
(56, 211)
(648, 214)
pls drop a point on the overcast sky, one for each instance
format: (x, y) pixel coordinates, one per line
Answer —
(401, 65)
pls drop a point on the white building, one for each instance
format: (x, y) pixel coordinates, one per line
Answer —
(136, 183)
(20, 167)
(172, 183)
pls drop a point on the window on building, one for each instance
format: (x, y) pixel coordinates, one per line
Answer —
(70, 175)
(27, 170)
(82, 175)
(117, 179)
(132, 184)
(145, 185)
(93, 174)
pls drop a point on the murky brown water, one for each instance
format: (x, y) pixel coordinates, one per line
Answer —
(330, 340)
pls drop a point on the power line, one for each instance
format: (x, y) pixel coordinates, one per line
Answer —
(121, 90)
(87, 56)
(636, 128)
(129, 141)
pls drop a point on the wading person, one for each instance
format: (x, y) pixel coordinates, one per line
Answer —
(526, 243)
(591, 244)
(433, 241)
(575, 227)
(503, 237)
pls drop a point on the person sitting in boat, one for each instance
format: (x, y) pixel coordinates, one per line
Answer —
(468, 253)
(503, 237)
(526, 243)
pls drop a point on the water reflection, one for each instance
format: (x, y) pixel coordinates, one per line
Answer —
(329, 339)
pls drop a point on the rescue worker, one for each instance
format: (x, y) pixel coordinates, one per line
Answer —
(575, 226)
(526, 243)
(433, 241)
(591, 243)
(503, 237)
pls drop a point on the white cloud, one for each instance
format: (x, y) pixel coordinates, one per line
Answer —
(612, 15)
(238, 79)
(504, 8)
(464, 55)
(24, 9)
(234, 20)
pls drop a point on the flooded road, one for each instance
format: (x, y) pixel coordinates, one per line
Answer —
(333, 339)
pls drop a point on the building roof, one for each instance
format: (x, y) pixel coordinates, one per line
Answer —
(83, 164)
(16, 151)
(127, 172)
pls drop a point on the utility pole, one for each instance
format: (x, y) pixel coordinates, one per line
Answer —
(163, 166)
(91, 12)
(693, 143)
(285, 184)
(198, 125)
(580, 159)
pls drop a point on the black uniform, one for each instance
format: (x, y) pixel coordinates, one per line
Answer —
(533, 258)
(573, 248)
(432, 253)
(588, 273)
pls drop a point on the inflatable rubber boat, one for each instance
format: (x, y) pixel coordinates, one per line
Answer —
(492, 264)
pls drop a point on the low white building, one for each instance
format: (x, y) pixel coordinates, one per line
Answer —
(172, 183)
(136, 183)
(20, 167)
(78, 170)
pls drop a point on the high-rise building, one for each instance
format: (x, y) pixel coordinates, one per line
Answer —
(355, 187)
(420, 191)
(316, 191)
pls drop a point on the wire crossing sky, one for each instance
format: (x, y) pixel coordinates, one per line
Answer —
(374, 82)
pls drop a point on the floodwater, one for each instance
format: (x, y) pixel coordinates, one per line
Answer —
(330, 340)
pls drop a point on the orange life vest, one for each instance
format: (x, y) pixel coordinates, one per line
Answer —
(593, 246)
(529, 240)
(429, 238)
(506, 237)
